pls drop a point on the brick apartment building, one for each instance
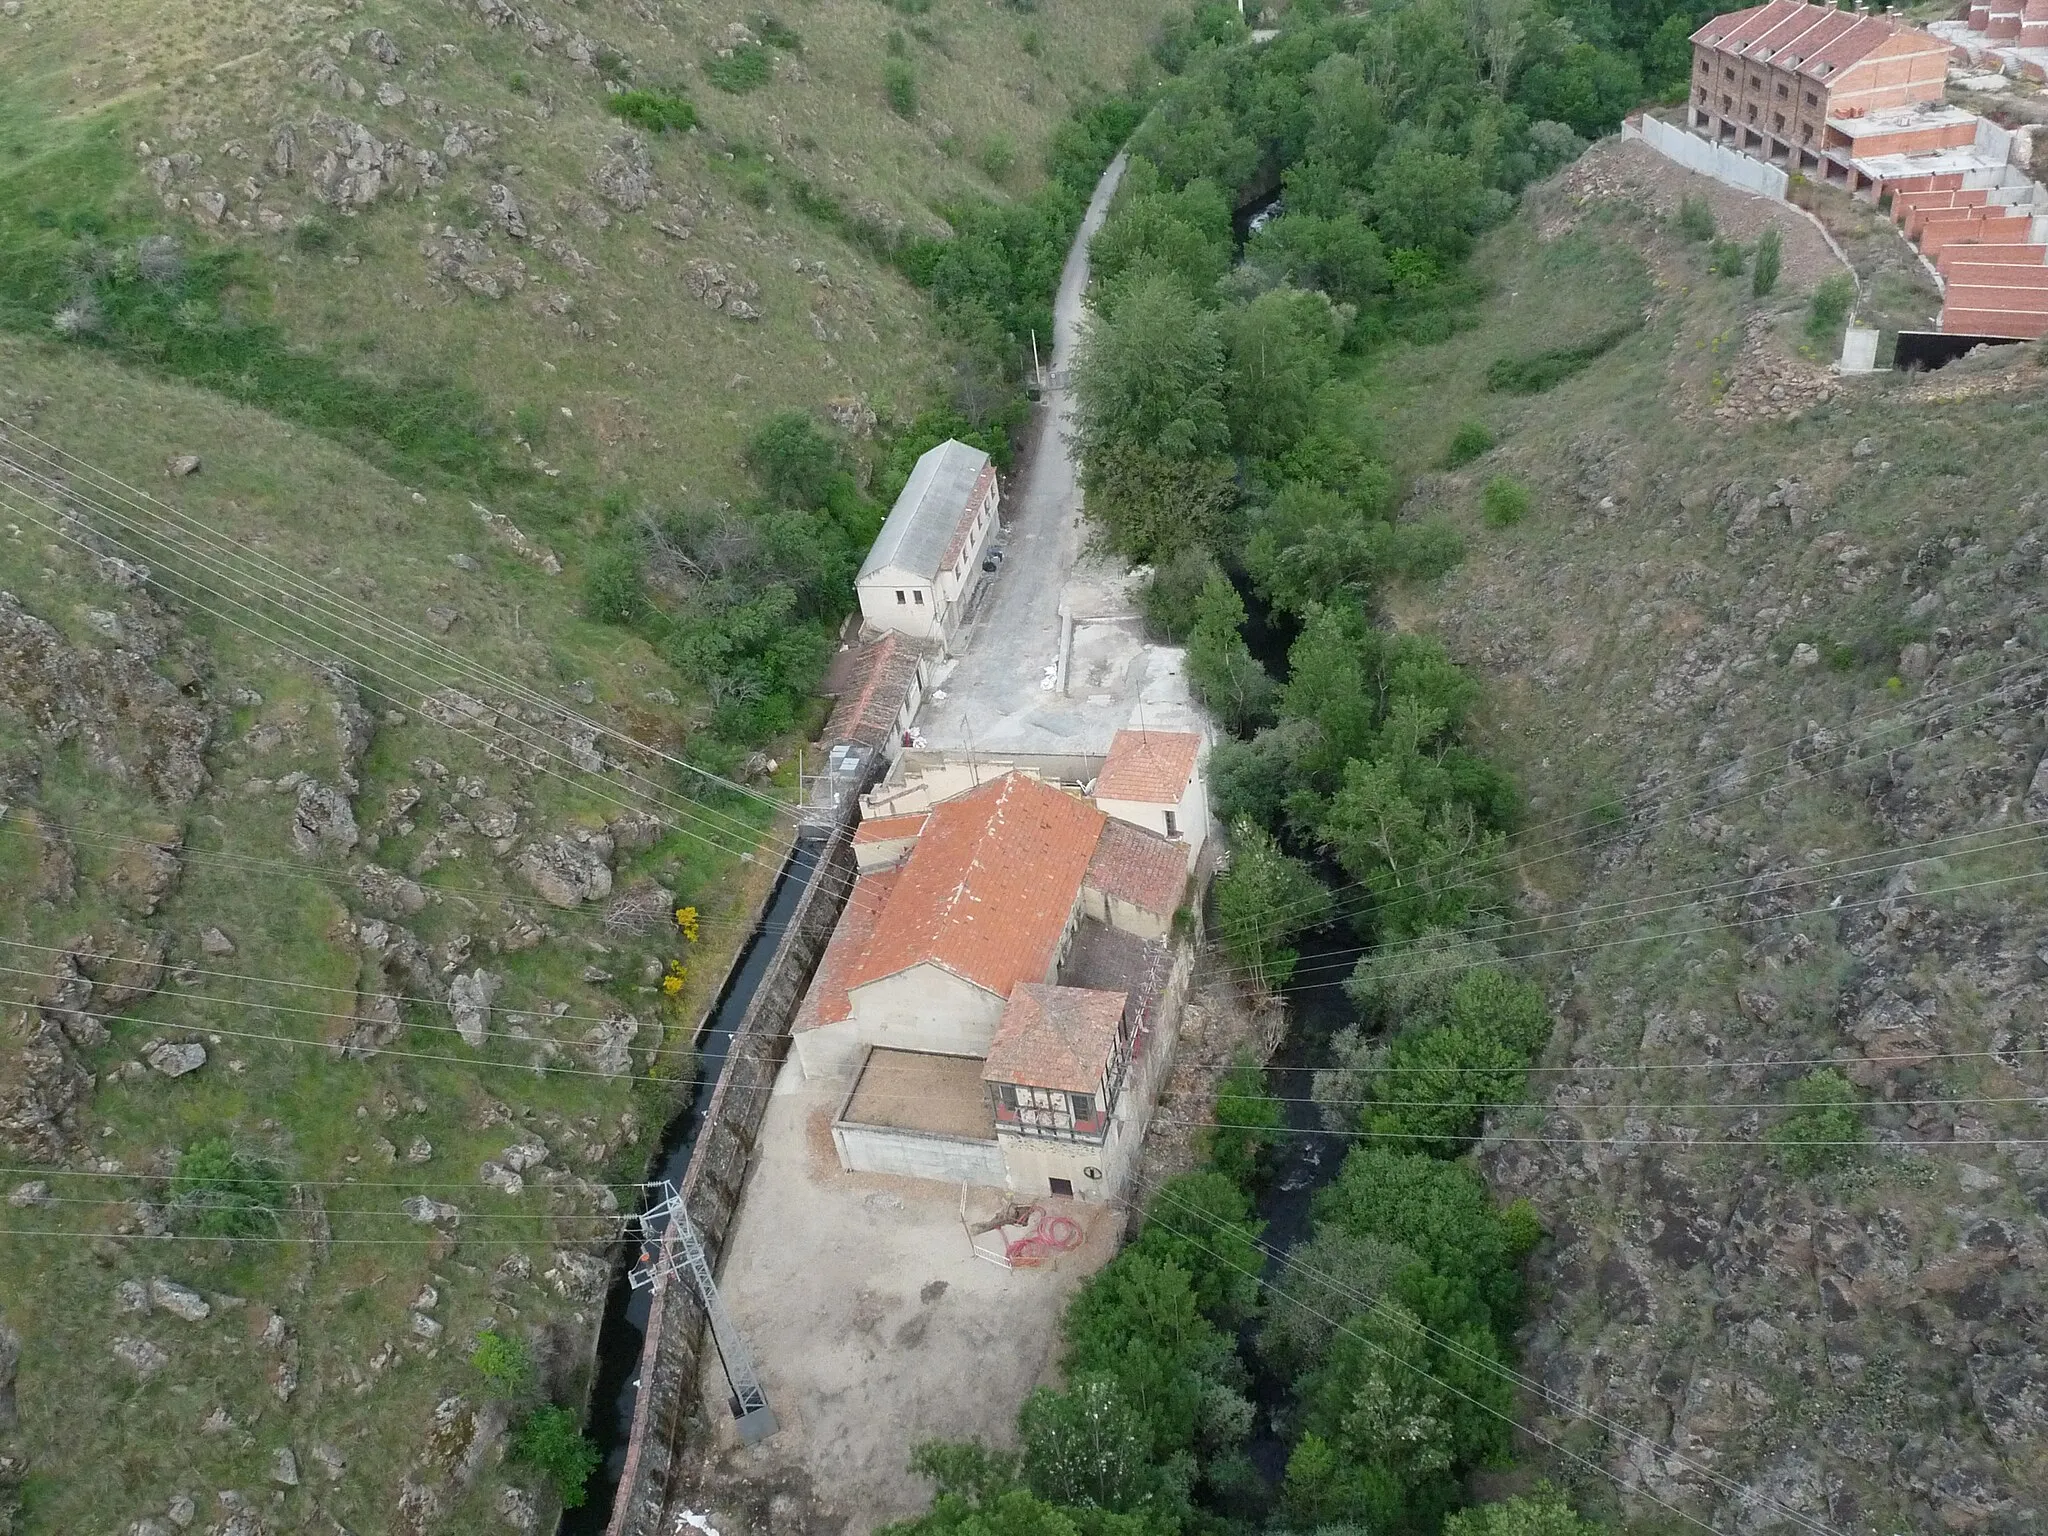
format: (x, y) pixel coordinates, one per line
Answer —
(1789, 82)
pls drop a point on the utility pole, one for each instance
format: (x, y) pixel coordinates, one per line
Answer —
(755, 1419)
(1037, 371)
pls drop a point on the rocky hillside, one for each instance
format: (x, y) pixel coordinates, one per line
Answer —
(344, 984)
(1767, 655)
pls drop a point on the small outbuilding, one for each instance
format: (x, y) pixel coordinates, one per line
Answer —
(926, 562)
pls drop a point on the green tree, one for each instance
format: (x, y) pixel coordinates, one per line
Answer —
(1202, 1223)
(1150, 374)
(551, 1441)
(794, 461)
(1221, 667)
(899, 85)
(1088, 1446)
(1156, 507)
(613, 583)
(1186, 234)
(1543, 1511)
(1263, 900)
(1282, 350)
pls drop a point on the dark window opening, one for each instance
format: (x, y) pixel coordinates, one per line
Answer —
(899, 597)
(1061, 1186)
(920, 598)
(1172, 825)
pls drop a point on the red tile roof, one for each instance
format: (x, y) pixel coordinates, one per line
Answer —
(1055, 1037)
(826, 1002)
(889, 829)
(1152, 767)
(988, 889)
(1140, 867)
(1818, 41)
(879, 679)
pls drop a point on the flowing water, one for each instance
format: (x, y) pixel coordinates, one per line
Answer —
(624, 1330)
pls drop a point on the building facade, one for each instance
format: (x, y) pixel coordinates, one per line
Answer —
(926, 562)
(1787, 81)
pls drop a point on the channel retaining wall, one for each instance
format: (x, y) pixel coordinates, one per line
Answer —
(711, 1191)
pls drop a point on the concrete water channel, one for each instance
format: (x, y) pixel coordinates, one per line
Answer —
(622, 1336)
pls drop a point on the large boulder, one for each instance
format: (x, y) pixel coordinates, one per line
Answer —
(567, 869)
(469, 1000)
(323, 818)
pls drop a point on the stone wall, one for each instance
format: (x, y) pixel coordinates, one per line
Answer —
(711, 1191)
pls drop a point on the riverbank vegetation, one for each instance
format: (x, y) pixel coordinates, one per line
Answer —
(1228, 438)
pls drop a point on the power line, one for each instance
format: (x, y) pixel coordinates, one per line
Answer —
(57, 458)
(1934, 701)
(1335, 960)
(1501, 1370)
(716, 821)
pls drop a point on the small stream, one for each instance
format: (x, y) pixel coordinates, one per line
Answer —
(1317, 1008)
(623, 1331)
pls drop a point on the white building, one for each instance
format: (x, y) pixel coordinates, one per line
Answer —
(927, 558)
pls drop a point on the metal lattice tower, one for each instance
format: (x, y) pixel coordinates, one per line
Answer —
(756, 1420)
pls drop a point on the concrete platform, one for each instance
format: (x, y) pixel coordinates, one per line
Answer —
(872, 1324)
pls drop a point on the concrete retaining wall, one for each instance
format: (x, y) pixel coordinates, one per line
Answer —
(711, 1188)
(918, 1154)
(1725, 165)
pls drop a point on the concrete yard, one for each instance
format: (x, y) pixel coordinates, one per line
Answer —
(872, 1324)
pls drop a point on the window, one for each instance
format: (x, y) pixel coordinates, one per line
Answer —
(1784, 90)
(1778, 121)
(1172, 826)
(920, 598)
(1700, 95)
(1812, 100)
(1084, 1105)
(899, 597)
(1061, 1186)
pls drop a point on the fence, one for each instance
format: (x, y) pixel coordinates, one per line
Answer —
(1725, 165)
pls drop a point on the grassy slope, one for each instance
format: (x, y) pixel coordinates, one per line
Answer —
(1633, 644)
(659, 392)
(663, 389)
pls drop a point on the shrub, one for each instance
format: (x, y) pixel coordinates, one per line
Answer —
(1770, 254)
(1830, 307)
(912, 7)
(745, 69)
(657, 109)
(1727, 258)
(896, 45)
(219, 1191)
(899, 84)
(1695, 219)
(1247, 1124)
(1467, 443)
(551, 1441)
(998, 157)
(313, 236)
(1533, 374)
(1031, 42)
(777, 34)
(612, 591)
(502, 1362)
(1825, 1126)
(611, 64)
(1504, 502)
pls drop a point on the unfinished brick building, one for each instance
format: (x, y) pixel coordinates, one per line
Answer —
(1790, 82)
